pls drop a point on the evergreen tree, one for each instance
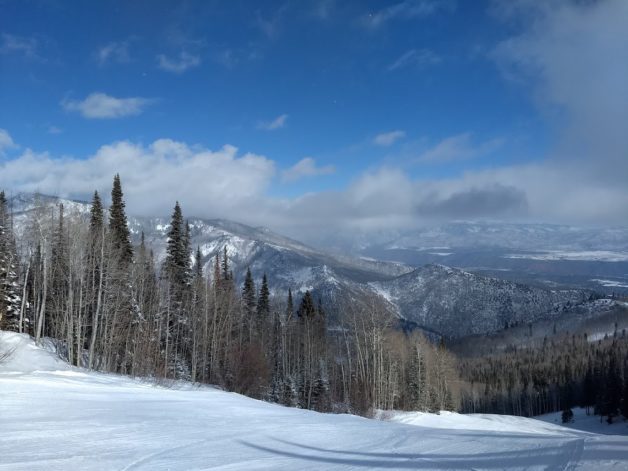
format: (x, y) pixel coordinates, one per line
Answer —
(96, 214)
(177, 262)
(248, 295)
(198, 264)
(118, 225)
(307, 310)
(263, 301)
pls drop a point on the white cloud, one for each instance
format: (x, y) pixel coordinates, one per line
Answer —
(306, 168)
(459, 147)
(25, 46)
(113, 52)
(573, 57)
(102, 106)
(180, 64)
(221, 183)
(277, 123)
(408, 9)
(388, 138)
(54, 130)
(415, 58)
(6, 142)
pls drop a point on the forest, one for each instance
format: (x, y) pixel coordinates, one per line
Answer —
(109, 305)
(564, 372)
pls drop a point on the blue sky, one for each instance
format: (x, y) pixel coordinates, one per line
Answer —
(327, 93)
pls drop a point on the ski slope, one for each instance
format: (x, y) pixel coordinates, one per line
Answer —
(56, 417)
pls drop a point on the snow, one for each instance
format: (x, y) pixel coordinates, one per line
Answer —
(611, 283)
(57, 417)
(588, 423)
(586, 255)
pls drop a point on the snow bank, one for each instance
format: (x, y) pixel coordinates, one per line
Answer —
(21, 355)
(479, 422)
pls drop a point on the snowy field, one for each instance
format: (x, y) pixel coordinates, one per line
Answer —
(55, 417)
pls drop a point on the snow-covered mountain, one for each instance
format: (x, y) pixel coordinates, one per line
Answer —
(448, 301)
(455, 303)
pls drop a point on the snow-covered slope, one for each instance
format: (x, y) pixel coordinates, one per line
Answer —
(455, 303)
(56, 417)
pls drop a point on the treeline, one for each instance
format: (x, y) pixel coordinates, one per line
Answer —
(564, 372)
(112, 307)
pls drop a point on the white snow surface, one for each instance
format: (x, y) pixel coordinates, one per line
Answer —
(588, 255)
(57, 417)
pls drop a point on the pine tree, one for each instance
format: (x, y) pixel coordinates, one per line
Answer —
(263, 301)
(177, 262)
(198, 264)
(96, 214)
(248, 295)
(118, 225)
(307, 309)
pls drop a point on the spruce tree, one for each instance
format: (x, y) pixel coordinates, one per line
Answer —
(96, 215)
(248, 295)
(118, 225)
(198, 264)
(176, 264)
(263, 301)
(307, 309)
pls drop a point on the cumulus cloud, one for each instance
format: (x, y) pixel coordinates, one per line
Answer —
(102, 106)
(277, 123)
(6, 142)
(415, 58)
(306, 168)
(386, 139)
(113, 52)
(219, 183)
(459, 147)
(184, 61)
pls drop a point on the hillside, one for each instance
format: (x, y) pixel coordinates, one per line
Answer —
(455, 303)
(74, 419)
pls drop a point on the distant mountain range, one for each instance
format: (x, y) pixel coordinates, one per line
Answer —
(437, 298)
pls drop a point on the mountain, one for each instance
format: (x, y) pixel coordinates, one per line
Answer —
(444, 300)
(456, 303)
(540, 254)
(286, 262)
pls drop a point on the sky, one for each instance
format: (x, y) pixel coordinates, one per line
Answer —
(320, 115)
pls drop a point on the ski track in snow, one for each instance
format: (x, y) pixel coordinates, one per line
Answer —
(56, 417)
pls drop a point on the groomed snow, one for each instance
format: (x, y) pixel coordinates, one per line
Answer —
(56, 417)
